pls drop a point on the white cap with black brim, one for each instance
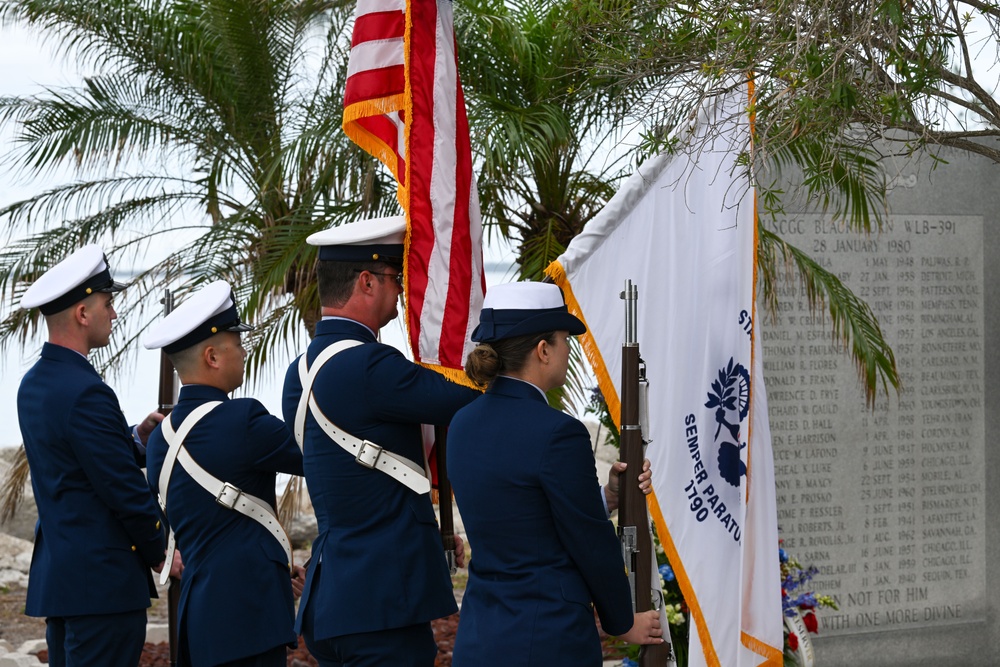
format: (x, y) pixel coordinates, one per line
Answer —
(522, 309)
(205, 313)
(72, 280)
(375, 240)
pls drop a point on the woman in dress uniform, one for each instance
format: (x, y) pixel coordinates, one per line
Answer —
(545, 552)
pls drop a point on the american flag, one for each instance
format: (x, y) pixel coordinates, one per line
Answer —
(403, 104)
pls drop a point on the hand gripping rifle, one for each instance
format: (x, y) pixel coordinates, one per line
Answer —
(166, 404)
(633, 521)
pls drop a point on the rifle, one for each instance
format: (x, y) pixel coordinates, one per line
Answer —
(444, 497)
(167, 397)
(633, 521)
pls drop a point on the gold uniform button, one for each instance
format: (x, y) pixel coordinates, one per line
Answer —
(157, 525)
(133, 547)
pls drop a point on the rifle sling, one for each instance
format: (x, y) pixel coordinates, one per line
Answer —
(365, 452)
(227, 495)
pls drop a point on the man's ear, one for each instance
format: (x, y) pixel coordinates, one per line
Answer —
(364, 282)
(80, 314)
(211, 356)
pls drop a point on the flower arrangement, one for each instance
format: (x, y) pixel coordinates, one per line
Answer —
(799, 606)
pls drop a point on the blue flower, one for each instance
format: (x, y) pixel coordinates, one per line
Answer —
(629, 662)
(666, 572)
(782, 556)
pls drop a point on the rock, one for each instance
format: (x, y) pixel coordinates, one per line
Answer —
(18, 660)
(157, 633)
(15, 560)
(12, 552)
(6, 646)
(33, 646)
(303, 529)
(10, 578)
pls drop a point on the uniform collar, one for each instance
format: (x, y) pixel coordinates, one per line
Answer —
(65, 354)
(508, 386)
(201, 392)
(345, 327)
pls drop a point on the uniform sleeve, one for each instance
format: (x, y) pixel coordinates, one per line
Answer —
(273, 445)
(290, 393)
(569, 479)
(402, 391)
(156, 448)
(103, 446)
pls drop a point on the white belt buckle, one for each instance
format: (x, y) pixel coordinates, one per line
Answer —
(366, 459)
(228, 496)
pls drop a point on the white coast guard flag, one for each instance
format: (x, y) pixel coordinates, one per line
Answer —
(682, 229)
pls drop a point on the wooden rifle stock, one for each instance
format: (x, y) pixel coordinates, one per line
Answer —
(444, 496)
(166, 404)
(633, 520)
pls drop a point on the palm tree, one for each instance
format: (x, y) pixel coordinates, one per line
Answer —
(207, 144)
(541, 124)
(545, 102)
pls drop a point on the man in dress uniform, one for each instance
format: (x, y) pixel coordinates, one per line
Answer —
(98, 530)
(378, 574)
(213, 462)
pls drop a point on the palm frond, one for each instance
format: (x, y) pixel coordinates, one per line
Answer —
(853, 324)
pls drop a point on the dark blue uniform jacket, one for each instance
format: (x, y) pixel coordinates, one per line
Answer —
(382, 561)
(541, 543)
(236, 593)
(98, 530)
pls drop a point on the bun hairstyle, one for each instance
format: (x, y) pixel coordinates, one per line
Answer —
(488, 360)
(482, 364)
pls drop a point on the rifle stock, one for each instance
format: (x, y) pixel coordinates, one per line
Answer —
(166, 404)
(633, 520)
(444, 496)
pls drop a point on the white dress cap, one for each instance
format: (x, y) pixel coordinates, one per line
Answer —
(521, 309)
(205, 313)
(70, 281)
(379, 239)
(523, 296)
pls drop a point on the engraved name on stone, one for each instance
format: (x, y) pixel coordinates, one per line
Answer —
(888, 504)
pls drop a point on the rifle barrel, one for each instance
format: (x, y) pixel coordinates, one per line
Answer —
(166, 404)
(633, 517)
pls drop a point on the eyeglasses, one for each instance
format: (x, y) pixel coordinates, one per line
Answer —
(398, 277)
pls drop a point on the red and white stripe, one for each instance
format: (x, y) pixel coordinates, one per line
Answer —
(374, 96)
(444, 266)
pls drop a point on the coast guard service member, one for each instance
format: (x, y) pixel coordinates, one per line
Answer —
(526, 483)
(378, 574)
(98, 530)
(213, 462)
